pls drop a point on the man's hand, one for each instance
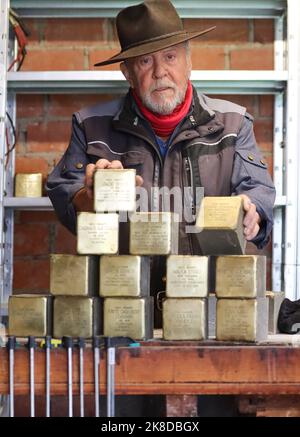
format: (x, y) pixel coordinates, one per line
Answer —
(83, 199)
(251, 219)
(100, 165)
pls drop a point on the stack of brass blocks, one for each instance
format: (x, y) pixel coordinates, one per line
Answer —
(242, 305)
(185, 307)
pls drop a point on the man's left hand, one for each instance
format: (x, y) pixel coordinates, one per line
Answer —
(251, 218)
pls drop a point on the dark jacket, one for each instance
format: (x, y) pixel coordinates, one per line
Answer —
(213, 147)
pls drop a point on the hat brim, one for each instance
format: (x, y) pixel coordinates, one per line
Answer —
(153, 46)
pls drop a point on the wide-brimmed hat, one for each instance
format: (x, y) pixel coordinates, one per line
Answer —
(148, 27)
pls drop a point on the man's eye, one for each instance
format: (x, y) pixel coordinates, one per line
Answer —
(145, 61)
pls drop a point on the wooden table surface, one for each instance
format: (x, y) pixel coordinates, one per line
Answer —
(172, 368)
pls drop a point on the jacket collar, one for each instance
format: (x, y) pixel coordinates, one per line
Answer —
(201, 120)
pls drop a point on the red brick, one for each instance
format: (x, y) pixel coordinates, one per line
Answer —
(269, 159)
(75, 32)
(31, 164)
(52, 60)
(249, 102)
(252, 59)
(263, 129)
(34, 28)
(266, 106)
(31, 239)
(264, 31)
(48, 137)
(31, 275)
(233, 31)
(65, 105)
(36, 217)
(65, 241)
(207, 58)
(101, 55)
(30, 105)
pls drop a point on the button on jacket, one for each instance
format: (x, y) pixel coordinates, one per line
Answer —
(213, 147)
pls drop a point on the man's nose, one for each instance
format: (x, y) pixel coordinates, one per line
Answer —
(159, 70)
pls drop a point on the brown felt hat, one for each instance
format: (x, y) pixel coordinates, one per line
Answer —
(148, 27)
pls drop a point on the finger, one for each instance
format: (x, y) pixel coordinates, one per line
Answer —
(89, 172)
(102, 163)
(253, 233)
(246, 201)
(115, 165)
(250, 216)
(139, 181)
(251, 225)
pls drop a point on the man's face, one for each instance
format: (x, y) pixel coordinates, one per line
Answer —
(160, 79)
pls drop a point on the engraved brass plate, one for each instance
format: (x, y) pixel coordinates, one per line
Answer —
(153, 233)
(76, 316)
(124, 275)
(220, 225)
(114, 190)
(129, 317)
(29, 315)
(187, 276)
(97, 234)
(241, 276)
(73, 275)
(28, 185)
(184, 319)
(242, 319)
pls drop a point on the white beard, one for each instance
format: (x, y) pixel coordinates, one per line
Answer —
(166, 105)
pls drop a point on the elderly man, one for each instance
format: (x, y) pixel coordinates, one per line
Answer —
(171, 135)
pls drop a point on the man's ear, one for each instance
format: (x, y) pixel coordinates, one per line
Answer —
(126, 73)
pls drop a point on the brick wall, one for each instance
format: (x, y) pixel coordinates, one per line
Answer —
(43, 121)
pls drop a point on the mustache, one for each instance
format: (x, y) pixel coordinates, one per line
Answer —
(163, 83)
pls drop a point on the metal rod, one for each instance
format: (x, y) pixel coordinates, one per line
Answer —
(81, 344)
(11, 348)
(111, 359)
(48, 374)
(68, 343)
(96, 344)
(31, 345)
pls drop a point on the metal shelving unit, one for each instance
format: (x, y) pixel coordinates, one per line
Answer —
(283, 82)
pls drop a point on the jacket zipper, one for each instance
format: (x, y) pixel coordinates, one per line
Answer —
(189, 172)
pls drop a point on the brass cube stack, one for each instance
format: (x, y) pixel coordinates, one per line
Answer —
(185, 307)
(242, 306)
(74, 285)
(125, 279)
(125, 286)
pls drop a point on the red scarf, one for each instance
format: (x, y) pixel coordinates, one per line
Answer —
(163, 125)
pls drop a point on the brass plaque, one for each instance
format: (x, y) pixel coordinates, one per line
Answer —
(220, 225)
(114, 190)
(97, 234)
(129, 317)
(153, 233)
(124, 275)
(187, 276)
(241, 276)
(242, 319)
(184, 319)
(76, 316)
(275, 299)
(29, 315)
(28, 185)
(74, 275)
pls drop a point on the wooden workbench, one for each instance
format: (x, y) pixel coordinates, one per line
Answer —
(171, 368)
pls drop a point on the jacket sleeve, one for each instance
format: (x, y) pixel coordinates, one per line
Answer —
(68, 177)
(251, 177)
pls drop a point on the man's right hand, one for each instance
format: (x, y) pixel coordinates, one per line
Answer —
(100, 165)
(83, 199)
